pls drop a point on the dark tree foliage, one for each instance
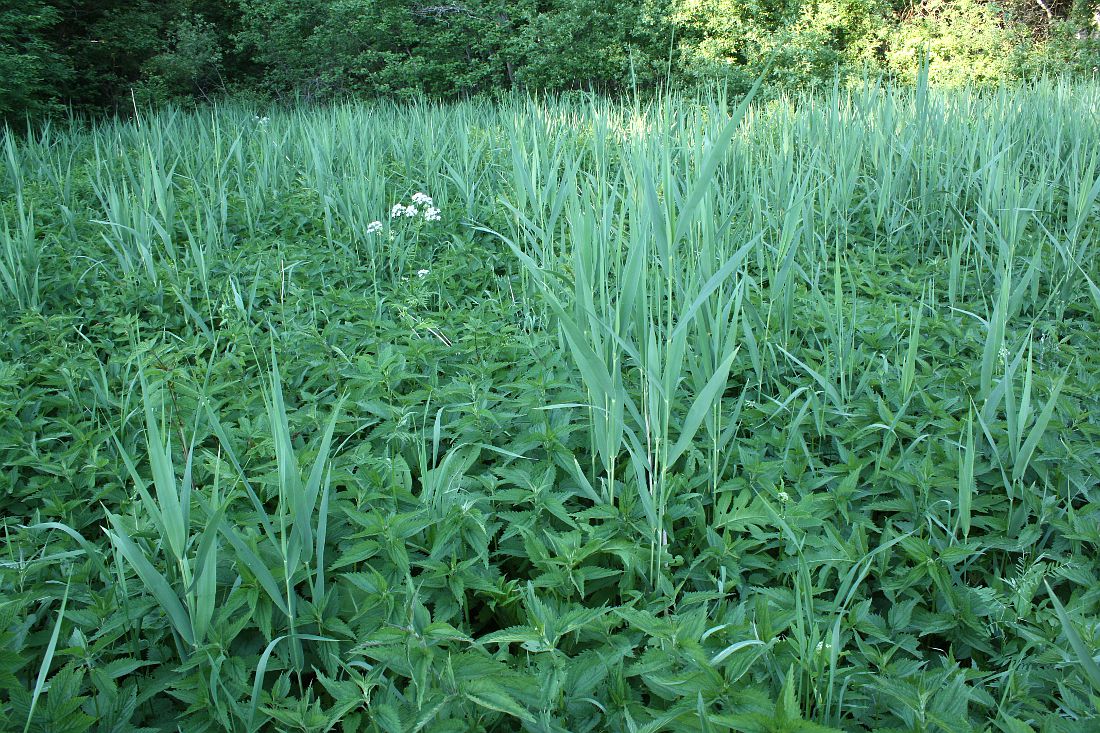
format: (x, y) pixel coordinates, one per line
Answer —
(32, 69)
(94, 53)
(110, 54)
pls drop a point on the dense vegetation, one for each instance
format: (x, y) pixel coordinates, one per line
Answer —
(106, 54)
(562, 415)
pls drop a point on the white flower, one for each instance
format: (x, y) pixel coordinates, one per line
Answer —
(422, 198)
(784, 496)
(431, 214)
(373, 227)
(397, 210)
(411, 211)
(421, 273)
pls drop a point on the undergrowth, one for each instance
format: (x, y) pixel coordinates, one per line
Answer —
(696, 416)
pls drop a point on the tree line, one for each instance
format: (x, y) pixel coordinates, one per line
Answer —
(103, 55)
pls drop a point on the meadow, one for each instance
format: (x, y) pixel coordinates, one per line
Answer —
(564, 414)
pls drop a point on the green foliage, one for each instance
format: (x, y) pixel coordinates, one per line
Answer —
(108, 54)
(590, 44)
(31, 68)
(807, 43)
(376, 47)
(1071, 46)
(671, 416)
(191, 66)
(963, 42)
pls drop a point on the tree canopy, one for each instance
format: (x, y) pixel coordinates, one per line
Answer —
(100, 54)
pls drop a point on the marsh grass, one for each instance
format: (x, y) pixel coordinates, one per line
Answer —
(688, 414)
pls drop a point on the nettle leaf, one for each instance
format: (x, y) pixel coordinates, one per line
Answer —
(487, 694)
(387, 717)
(441, 631)
(370, 582)
(586, 671)
(901, 613)
(647, 623)
(512, 635)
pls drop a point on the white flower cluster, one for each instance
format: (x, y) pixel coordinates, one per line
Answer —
(419, 200)
(374, 227)
(261, 121)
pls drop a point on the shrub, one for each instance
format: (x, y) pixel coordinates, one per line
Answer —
(966, 42)
(190, 67)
